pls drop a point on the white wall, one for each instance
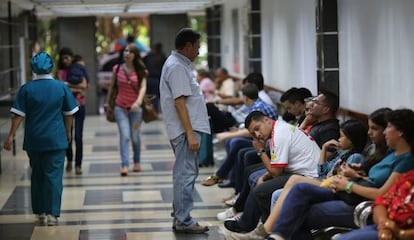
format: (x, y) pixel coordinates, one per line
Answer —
(376, 54)
(289, 44)
(227, 37)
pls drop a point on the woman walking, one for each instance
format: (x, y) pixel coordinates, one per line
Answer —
(130, 77)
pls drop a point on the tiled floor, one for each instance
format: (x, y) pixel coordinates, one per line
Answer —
(100, 204)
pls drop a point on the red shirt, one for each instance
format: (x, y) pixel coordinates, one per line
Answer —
(399, 201)
(128, 87)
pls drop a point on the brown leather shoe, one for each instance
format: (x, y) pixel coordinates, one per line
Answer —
(197, 228)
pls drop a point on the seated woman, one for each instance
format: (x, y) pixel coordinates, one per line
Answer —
(393, 214)
(311, 207)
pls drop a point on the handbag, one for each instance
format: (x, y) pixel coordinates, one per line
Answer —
(110, 115)
(149, 113)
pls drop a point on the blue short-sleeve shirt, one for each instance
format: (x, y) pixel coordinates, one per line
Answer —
(380, 172)
(44, 102)
(177, 79)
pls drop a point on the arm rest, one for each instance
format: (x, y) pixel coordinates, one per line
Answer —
(363, 214)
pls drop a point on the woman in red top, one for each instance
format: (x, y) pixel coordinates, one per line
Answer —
(393, 214)
(131, 82)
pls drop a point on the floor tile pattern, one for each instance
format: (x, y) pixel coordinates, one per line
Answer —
(100, 204)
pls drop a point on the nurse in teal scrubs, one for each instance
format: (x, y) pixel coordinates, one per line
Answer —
(47, 106)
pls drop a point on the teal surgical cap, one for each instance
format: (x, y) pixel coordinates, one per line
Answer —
(42, 63)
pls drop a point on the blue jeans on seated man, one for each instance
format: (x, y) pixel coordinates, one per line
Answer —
(308, 207)
(245, 157)
(253, 210)
(233, 145)
(185, 173)
(129, 125)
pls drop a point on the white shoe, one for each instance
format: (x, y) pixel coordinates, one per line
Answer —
(41, 218)
(228, 213)
(232, 201)
(52, 220)
(258, 233)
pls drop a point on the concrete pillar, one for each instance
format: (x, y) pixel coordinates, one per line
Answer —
(163, 29)
(78, 33)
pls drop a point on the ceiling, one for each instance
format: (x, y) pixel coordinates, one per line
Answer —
(53, 8)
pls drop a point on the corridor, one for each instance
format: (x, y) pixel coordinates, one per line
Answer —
(100, 204)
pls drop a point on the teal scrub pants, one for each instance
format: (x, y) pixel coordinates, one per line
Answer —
(46, 181)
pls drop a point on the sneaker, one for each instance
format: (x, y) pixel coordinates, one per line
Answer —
(41, 219)
(228, 213)
(275, 237)
(52, 220)
(197, 228)
(78, 170)
(233, 225)
(258, 233)
(232, 201)
(69, 166)
(124, 171)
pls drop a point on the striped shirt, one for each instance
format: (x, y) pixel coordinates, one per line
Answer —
(128, 87)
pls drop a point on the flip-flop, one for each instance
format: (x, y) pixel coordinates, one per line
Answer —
(211, 180)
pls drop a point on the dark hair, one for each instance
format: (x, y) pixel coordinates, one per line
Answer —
(203, 73)
(184, 36)
(403, 120)
(64, 51)
(139, 65)
(296, 95)
(223, 70)
(250, 91)
(253, 116)
(331, 100)
(356, 132)
(256, 78)
(130, 39)
(379, 116)
(77, 58)
(381, 149)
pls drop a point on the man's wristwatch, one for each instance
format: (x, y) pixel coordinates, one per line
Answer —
(260, 152)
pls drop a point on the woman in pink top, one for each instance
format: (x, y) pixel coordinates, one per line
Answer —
(131, 80)
(207, 85)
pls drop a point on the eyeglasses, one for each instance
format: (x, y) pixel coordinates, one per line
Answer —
(314, 100)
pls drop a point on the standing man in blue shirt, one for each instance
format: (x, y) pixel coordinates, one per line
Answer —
(47, 106)
(185, 116)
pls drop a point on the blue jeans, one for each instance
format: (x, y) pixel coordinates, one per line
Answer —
(307, 207)
(369, 232)
(253, 208)
(233, 145)
(275, 196)
(129, 125)
(185, 173)
(245, 157)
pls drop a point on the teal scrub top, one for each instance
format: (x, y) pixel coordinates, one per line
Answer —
(44, 102)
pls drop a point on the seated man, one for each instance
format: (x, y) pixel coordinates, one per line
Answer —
(236, 113)
(240, 138)
(291, 152)
(257, 204)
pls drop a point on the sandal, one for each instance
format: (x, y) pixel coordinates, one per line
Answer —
(211, 180)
